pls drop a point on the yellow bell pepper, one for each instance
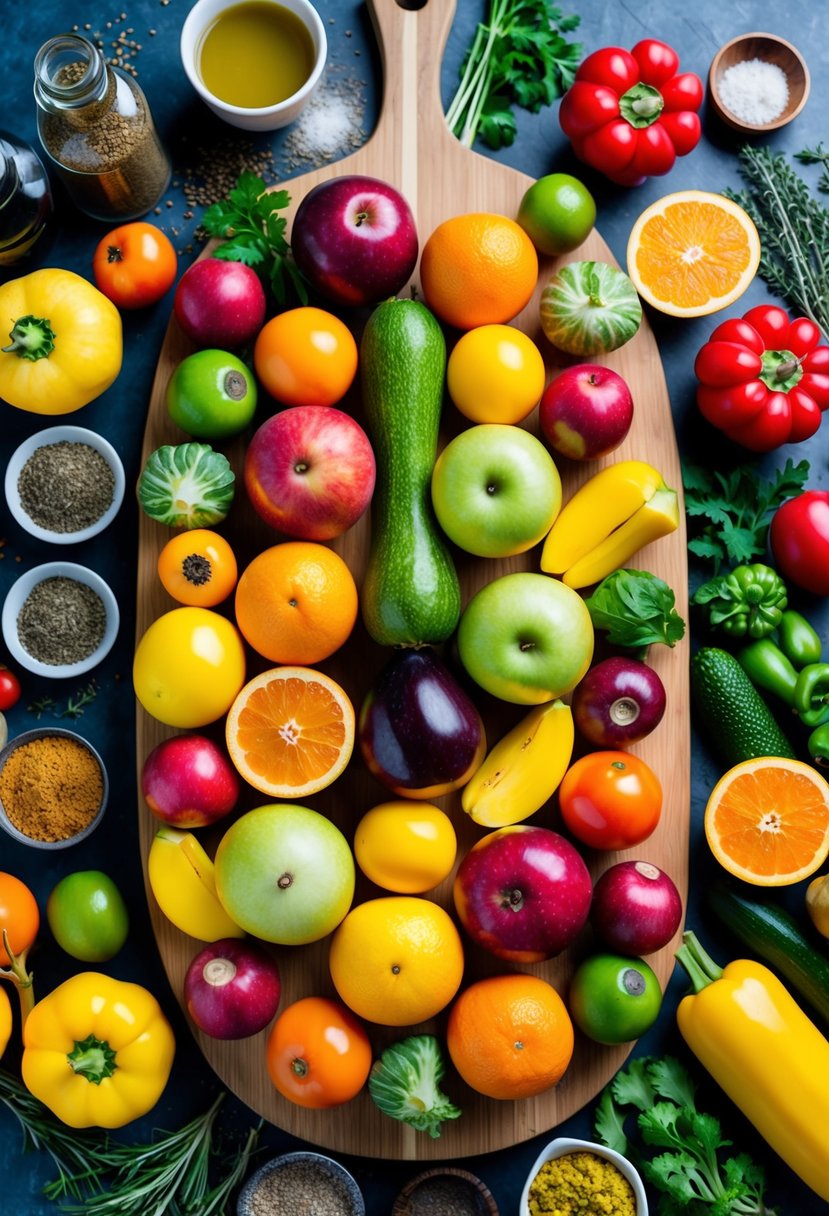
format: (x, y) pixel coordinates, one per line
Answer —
(65, 345)
(97, 1051)
(757, 1043)
(5, 1020)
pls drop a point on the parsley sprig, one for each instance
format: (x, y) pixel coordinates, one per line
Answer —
(518, 57)
(253, 232)
(693, 1176)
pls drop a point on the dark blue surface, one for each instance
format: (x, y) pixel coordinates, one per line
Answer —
(696, 30)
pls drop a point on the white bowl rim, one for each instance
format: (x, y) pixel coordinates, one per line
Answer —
(563, 1145)
(45, 438)
(17, 594)
(283, 1159)
(63, 732)
(188, 42)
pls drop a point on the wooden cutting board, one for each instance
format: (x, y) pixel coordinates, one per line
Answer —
(412, 149)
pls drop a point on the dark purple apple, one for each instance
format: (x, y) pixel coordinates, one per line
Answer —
(523, 893)
(585, 412)
(419, 732)
(232, 989)
(220, 304)
(636, 908)
(188, 781)
(354, 239)
(618, 702)
(309, 471)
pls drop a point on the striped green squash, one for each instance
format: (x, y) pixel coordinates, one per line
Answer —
(589, 308)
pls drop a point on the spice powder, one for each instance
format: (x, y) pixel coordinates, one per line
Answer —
(65, 486)
(51, 788)
(580, 1182)
(61, 621)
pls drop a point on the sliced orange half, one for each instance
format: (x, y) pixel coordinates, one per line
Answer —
(693, 253)
(290, 731)
(767, 821)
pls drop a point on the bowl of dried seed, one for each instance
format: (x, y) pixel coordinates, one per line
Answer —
(53, 788)
(64, 484)
(59, 619)
(445, 1191)
(301, 1182)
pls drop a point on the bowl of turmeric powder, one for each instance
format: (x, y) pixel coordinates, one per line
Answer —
(571, 1176)
(53, 788)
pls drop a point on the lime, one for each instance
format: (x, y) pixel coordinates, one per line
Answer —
(87, 915)
(557, 213)
(212, 395)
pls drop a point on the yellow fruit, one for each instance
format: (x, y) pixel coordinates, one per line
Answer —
(5, 1020)
(182, 881)
(495, 373)
(405, 846)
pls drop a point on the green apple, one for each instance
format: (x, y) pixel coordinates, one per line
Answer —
(526, 638)
(557, 213)
(285, 874)
(495, 490)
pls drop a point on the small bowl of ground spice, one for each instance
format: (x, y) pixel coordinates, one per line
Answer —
(59, 619)
(53, 788)
(301, 1182)
(576, 1176)
(64, 484)
(445, 1191)
(757, 83)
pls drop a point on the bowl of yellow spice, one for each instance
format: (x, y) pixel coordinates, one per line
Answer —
(576, 1176)
(53, 788)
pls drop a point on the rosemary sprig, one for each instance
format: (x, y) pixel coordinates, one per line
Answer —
(817, 156)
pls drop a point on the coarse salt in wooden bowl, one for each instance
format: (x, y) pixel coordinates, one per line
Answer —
(767, 48)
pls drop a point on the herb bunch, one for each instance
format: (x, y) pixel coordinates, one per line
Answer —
(637, 609)
(692, 1174)
(518, 57)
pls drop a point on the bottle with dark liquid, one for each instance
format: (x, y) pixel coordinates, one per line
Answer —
(25, 198)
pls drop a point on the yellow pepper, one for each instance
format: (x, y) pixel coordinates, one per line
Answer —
(97, 1051)
(5, 1020)
(757, 1043)
(65, 345)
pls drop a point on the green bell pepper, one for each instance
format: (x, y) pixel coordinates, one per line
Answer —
(747, 603)
(811, 694)
(798, 640)
(768, 668)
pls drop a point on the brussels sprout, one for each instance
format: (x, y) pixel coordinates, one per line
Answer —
(404, 1084)
(186, 485)
(589, 308)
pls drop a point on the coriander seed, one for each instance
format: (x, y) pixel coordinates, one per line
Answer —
(65, 486)
(61, 621)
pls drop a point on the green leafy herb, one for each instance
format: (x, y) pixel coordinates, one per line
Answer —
(40, 706)
(793, 228)
(518, 57)
(731, 512)
(817, 156)
(405, 1084)
(75, 705)
(253, 231)
(694, 1177)
(636, 608)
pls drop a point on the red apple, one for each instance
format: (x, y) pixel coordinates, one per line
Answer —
(189, 782)
(585, 412)
(523, 893)
(220, 304)
(309, 471)
(354, 239)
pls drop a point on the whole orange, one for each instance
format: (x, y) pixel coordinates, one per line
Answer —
(305, 356)
(296, 602)
(397, 960)
(478, 269)
(510, 1036)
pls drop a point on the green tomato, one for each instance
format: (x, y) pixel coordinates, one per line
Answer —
(557, 213)
(614, 999)
(211, 395)
(87, 915)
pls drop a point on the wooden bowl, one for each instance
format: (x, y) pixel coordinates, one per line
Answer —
(481, 1200)
(770, 49)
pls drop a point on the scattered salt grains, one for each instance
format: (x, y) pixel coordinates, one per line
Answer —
(754, 91)
(330, 125)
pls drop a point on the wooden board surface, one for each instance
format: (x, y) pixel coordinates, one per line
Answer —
(412, 149)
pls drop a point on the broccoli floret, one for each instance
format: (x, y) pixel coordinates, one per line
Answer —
(404, 1084)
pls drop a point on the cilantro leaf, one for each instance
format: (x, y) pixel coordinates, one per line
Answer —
(636, 608)
(632, 1086)
(671, 1080)
(610, 1124)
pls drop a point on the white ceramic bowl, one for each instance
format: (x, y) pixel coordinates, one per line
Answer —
(14, 602)
(67, 434)
(564, 1145)
(264, 118)
(50, 732)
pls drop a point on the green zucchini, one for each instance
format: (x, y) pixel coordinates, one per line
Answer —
(735, 718)
(410, 594)
(774, 935)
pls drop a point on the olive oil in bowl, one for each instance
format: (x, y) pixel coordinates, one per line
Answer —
(255, 54)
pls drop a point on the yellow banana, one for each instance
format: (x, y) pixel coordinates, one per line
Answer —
(657, 517)
(181, 878)
(523, 769)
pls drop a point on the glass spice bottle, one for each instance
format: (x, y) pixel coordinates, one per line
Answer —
(97, 130)
(25, 198)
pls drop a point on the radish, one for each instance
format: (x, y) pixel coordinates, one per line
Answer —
(232, 989)
(636, 908)
(618, 702)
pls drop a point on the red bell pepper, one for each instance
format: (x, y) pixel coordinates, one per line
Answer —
(763, 378)
(629, 114)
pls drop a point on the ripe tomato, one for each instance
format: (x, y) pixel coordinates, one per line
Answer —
(197, 567)
(610, 800)
(19, 916)
(318, 1054)
(799, 537)
(9, 688)
(134, 265)
(87, 915)
(614, 999)
(405, 846)
(305, 356)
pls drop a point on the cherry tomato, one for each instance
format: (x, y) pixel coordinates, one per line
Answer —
(198, 567)
(318, 1054)
(19, 916)
(305, 356)
(610, 800)
(87, 915)
(9, 688)
(134, 265)
(614, 999)
(799, 537)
